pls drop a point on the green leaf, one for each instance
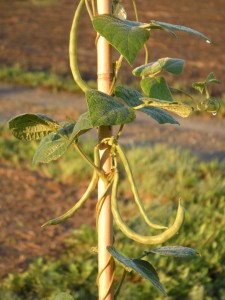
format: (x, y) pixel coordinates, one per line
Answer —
(132, 98)
(142, 267)
(171, 65)
(212, 79)
(177, 251)
(126, 36)
(83, 125)
(157, 88)
(32, 127)
(51, 148)
(199, 86)
(178, 108)
(171, 27)
(106, 110)
(161, 116)
(63, 296)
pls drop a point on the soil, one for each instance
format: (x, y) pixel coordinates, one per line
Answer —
(37, 38)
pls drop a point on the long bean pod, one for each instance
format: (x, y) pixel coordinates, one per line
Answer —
(134, 188)
(73, 48)
(72, 211)
(83, 199)
(150, 240)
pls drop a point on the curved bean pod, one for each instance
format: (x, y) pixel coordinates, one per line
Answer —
(85, 196)
(72, 211)
(134, 188)
(148, 240)
(73, 48)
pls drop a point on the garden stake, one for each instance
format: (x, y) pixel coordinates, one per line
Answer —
(105, 229)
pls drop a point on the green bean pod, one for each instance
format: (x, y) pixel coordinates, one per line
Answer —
(148, 240)
(134, 189)
(82, 200)
(73, 48)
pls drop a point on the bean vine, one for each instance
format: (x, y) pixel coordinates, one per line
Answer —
(119, 107)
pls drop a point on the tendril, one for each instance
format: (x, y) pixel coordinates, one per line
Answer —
(110, 261)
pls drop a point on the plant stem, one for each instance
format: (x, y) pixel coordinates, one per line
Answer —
(89, 10)
(120, 284)
(105, 229)
(137, 19)
(100, 173)
(117, 67)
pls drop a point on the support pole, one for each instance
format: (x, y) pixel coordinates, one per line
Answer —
(105, 229)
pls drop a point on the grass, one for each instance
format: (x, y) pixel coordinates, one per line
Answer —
(48, 80)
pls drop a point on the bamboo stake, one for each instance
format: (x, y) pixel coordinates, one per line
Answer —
(105, 230)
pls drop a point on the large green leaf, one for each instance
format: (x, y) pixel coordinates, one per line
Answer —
(171, 65)
(51, 148)
(172, 27)
(83, 125)
(132, 98)
(157, 88)
(32, 126)
(160, 115)
(177, 251)
(142, 267)
(178, 108)
(106, 110)
(126, 36)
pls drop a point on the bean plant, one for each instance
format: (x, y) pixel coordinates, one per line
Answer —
(119, 107)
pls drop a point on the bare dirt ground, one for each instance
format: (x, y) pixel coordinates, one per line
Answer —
(37, 37)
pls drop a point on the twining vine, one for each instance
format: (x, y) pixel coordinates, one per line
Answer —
(119, 108)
